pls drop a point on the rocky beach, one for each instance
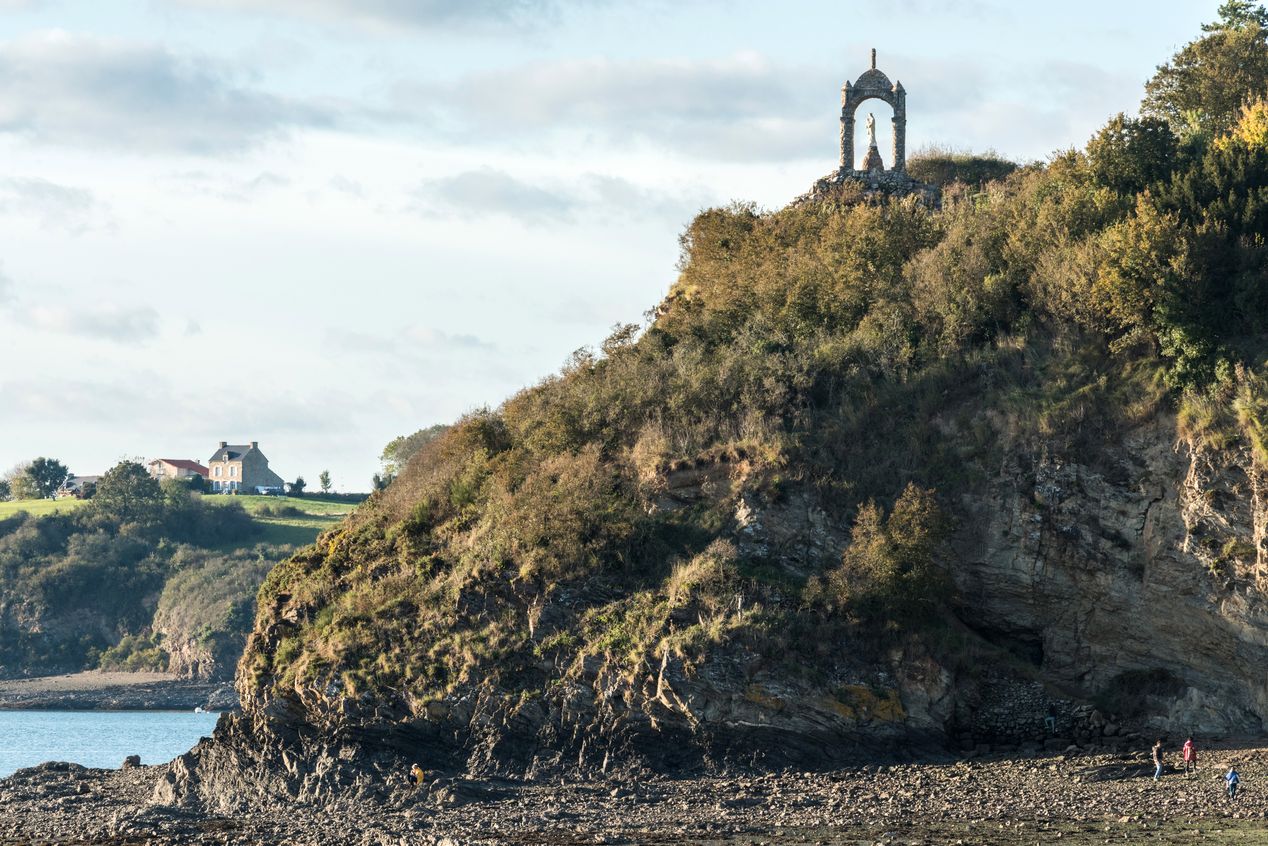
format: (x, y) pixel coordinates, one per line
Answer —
(1078, 797)
(115, 691)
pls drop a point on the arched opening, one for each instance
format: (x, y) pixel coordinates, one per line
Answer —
(884, 114)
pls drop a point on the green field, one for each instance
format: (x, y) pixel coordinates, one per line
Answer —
(314, 516)
(38, 506)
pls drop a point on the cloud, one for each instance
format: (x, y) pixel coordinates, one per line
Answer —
(405, 341)
(477, 193)
(597, 197)
(47, 399)
(106, 322)
(6, 288)
(424, 14)
(740, 108)
(430, 338)
(60, 88)
(54, 205)
(232, 188)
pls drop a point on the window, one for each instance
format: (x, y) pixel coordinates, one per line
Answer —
(233, 471)
(217, 468)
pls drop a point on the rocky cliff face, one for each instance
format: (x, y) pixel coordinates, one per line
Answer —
(1140, 575)
(1110, 595)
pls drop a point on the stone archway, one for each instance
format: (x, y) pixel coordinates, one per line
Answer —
(873, 85)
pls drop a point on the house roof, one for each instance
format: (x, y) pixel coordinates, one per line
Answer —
(183, 464)
(230, 452)
(79, 481)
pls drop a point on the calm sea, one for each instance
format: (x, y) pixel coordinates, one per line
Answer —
(97, 738)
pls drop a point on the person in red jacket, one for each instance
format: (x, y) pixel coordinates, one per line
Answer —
(1190, 754)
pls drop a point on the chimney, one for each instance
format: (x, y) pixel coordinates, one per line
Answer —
(224, 444)
(255, 445)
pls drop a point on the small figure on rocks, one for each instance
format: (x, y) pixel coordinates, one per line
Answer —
(1157, 752)
(1190, 755)
(1231, 782)
(416, 776)
(1050, 721)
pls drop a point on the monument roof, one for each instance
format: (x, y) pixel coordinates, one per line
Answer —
(874, 80)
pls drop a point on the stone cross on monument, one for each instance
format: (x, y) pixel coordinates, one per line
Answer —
(873, 85)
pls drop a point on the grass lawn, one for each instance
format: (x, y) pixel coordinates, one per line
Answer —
(295, 521)
(38, 506)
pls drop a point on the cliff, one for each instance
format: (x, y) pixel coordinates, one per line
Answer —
(878, 479)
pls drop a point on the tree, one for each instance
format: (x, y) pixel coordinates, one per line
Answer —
(324, 481)
(1239, 14)
(45, 476)
(129, 494)
(21, 485)
(297, 486)
(1205, 85)
(5, 490)
(400, 450)
(890, 566)
(1129, 155)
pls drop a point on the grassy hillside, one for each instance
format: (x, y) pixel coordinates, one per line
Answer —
(864, 366)
(170, 585)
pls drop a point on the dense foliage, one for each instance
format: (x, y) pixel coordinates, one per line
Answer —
(875, 359)
(35, 479)
(82, 586)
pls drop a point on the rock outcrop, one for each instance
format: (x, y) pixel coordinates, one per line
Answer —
(1138, 575)
(1110, 596)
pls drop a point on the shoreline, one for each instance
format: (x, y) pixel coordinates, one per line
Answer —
(1084, 798)
(115, 691)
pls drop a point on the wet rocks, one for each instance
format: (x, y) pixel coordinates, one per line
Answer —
(1080, 798)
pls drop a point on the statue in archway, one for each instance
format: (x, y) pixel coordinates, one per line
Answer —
(873, 85)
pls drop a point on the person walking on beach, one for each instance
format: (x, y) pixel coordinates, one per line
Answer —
(1190, 755)
(1232, 781)
(1157, 751)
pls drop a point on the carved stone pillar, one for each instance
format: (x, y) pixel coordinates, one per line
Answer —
(847, 129)
(900, 129)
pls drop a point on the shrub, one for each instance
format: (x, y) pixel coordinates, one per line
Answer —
(134, 653)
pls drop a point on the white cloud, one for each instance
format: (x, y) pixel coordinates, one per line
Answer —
(61, 88)
(424, 14)
(597, 197)
(741, 108)
(54, 205)
(46, 399)
(410, 340)
(108, 322)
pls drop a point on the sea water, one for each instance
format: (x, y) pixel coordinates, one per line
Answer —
(97, 738)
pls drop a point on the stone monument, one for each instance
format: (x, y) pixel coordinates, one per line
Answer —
(873, 177)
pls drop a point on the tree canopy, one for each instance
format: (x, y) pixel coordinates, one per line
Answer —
(1205, 85)
(43, 476)
(129, 494)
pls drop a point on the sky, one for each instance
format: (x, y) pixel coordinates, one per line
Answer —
(320, 224)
